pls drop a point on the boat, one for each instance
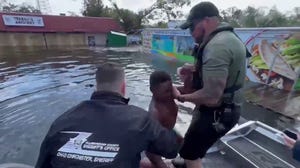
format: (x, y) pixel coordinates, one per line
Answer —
(251, 144)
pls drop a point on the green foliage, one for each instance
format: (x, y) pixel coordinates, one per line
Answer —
(161, 25)
(94, 8)
(260, 17)
(23, 8)
(160, 10)
(166, 9)
(232, 16)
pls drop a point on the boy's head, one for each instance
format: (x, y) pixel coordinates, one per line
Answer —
(161, 85)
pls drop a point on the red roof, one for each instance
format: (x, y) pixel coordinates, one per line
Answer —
(65, 24)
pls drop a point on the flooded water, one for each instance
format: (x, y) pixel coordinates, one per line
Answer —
(37, 86)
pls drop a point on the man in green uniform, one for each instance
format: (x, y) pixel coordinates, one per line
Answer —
(218, 75)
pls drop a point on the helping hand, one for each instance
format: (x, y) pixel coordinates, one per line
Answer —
(289, 141)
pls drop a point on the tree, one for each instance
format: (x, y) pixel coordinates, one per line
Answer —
(260, 17)
(294, 18)
(23, 8)
(9, 8)
(161, 25)
(160, 10)
(94, 8)
(232, 16)
(274, 18)
(251, 16)
(129, 20)
(28, 9)
(165, 9)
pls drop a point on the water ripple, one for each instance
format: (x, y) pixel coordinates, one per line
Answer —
(37, 86)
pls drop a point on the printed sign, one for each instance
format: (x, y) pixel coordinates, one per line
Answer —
(79, 148)
(18, 20)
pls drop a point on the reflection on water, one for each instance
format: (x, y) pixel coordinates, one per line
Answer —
(39, 85)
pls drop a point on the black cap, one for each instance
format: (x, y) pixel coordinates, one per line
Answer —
(200, 11)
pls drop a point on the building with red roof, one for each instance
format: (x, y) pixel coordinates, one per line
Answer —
(48, 30)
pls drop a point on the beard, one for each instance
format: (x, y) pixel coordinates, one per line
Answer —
(200, 38)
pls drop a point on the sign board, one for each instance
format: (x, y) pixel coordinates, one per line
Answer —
(18, 20)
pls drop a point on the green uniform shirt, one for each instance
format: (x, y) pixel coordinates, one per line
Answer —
(225, 55)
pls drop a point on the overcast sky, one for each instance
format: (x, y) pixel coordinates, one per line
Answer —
(63, 6)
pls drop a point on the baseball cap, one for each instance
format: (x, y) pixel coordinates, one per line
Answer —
(200, 11)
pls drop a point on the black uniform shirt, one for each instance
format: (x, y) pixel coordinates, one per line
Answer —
(104, 132)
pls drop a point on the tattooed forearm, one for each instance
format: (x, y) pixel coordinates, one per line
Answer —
(211, 93)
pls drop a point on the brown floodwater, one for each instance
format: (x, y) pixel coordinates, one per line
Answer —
(38, 85)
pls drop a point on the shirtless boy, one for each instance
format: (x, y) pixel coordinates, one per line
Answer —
(162, 107)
